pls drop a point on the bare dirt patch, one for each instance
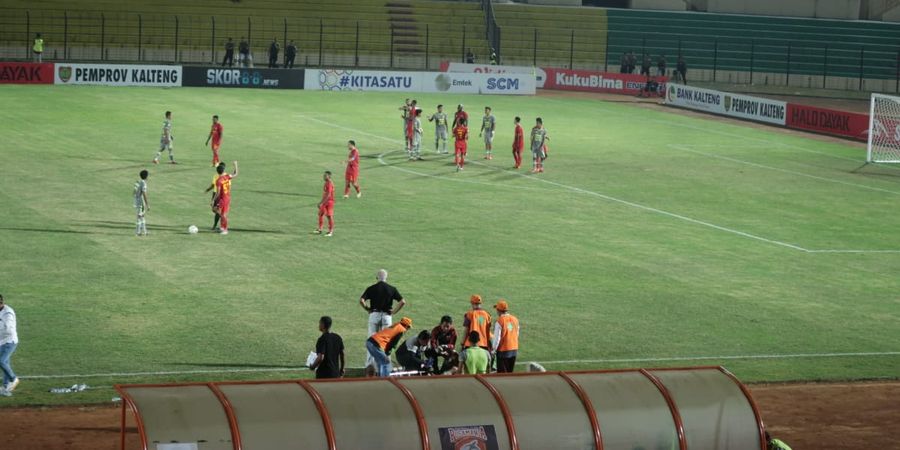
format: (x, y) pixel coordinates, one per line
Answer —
(832, 416)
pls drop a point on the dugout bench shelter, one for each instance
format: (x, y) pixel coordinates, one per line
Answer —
(698, 408)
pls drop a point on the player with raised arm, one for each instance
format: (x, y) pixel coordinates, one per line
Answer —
(215, 134)
(141, 204)
(165, 141)
(212, 202)
(351, 175)
(440, 129)
(461, 134)
(223, 194)
(539, 140)
(488, 124)
(518, 143)
(326, 205)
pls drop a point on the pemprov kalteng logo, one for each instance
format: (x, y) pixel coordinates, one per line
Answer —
(65, 73)
(442, 82)
(671, 94)
(727, 103)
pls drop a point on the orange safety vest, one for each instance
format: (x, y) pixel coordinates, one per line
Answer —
(509, 333)
(480, 321)
(385, 336)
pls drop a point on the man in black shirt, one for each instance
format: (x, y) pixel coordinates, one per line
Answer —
(274, 48)
(290, 52)
(229, 53)
(381, 297)
(329, 352)
(410, 354)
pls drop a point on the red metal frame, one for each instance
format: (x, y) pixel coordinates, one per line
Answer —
(142, 433)
(676, 416)
(588, 407)
(323, 412)
(753, 406)
(417, 409)
(504, 409)
(229, 413)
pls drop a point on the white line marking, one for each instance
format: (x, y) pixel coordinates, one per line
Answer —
(571, 361)
(707, 358)
(777, 169)
(597, 194)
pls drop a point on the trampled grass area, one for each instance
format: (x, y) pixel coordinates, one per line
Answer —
(653, 239)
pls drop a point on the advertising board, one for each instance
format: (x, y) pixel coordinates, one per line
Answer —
(117, 75)
(433, 82)
(243, 78)
(596, 81)
(727, 104)
(828, 121)
(26, 73)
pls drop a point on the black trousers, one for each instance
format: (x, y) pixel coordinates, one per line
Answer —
(229, 58)
(506, 365)
(289, 61)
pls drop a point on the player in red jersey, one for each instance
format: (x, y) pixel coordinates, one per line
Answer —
(518, 143)
(215, 133)
(461, 134)
(460, 115)
(326, 206)
(351, 175)
(222, 199)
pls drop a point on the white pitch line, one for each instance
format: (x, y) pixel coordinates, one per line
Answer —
(571, 361)
(734, 357)
(686, 148)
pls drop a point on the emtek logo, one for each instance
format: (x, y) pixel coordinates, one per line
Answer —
(232, 77)
(503, 84)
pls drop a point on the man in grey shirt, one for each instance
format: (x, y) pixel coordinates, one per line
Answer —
(488, 124)
(440, 130)
(539, 140)
(141, 205)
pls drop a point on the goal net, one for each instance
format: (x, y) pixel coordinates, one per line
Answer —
(884, 129)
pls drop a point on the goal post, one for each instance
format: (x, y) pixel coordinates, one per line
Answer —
(884, 129)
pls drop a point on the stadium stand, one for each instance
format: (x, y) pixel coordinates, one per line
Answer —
(195, 32)
(552, 36)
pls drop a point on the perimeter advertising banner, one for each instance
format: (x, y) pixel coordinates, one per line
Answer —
(433, 82)
(828, 121)
(595, 81)
(26, 73)
(455, 67)
(243, 78)
(727, 104)
(117, 75)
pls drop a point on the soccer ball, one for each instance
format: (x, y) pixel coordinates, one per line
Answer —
(193, 229)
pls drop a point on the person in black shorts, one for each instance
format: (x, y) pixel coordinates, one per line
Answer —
(329, 352)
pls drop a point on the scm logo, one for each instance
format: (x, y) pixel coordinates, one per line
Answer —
(503, 84)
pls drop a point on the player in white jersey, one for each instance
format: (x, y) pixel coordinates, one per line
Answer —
(488, 124)
(165, 141)
(440, 130)
(415, 153)
(141, 204)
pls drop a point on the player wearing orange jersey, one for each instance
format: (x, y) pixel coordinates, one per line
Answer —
(505, 340)
(215, 134)
(351, 175)
(326, 205)
(222, 199)
(215, 207)
(518, 143)
(383, 342)
(461, 134)
(477, 319)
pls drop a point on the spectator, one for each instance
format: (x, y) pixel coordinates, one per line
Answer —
(410, 354)
(775, 444)
(651, 87)
(476, 358)
(229, 53)
(443, 345)
(623, 63)
(477, 319)
(245, 59)
(290, 52)
(681, 70)
(470, 57)
(494, 58)
(274, 48)
(38, 48)
(505, 338)
(645, 65)
(380, 345)
(329, 352)
(9, 339)
(661, 66)
(632, 62)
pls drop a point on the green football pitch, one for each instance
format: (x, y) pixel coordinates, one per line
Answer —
(653, 239)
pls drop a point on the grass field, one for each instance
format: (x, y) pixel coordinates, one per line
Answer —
(653, 239)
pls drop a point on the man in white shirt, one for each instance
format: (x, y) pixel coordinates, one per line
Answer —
(8, 341)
